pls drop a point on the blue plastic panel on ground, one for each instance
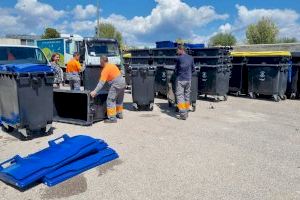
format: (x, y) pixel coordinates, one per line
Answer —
(79, 166)
(23, 172)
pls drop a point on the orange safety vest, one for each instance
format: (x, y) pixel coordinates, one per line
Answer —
(109, 72)
(73, 66)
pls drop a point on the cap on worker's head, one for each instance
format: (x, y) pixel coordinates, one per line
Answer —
(104, 58)
(181, 47)
(76, 54)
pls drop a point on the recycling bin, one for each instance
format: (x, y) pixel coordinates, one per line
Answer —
(194, 90)
(143, 77)
(78, 107)
(165, 60)
(163, 77)
(268, 80)
(214, 80)
(26, 93)
(238, 82)
(91, 76)
(164, 52)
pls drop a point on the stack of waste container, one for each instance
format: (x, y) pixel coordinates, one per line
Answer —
(215, 66)
(261, 74)
(293, 89)
(65, 158)
(26, 95)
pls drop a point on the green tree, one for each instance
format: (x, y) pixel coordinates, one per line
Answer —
(107, 30)
(222, 39)
(264, 32)
(50, 33)
(287, 40)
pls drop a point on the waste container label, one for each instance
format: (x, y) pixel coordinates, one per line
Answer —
(164, 76)
(262, 76)
(204, 76)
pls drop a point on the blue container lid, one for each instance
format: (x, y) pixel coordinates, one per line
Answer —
(28, 67)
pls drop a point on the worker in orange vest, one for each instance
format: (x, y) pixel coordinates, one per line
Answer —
(73, 70)
(111, 74)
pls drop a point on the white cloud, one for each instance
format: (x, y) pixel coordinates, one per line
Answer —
(286, 19)
(89, 11)
(169, 20)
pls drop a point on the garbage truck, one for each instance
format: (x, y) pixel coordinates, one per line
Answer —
(90, 49)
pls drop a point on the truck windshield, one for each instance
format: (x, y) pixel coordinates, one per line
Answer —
(17, 55)
(103, 48)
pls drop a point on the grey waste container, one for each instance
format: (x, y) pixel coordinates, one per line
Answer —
(268, 80)
(26, 102)
(143, 77)
(163, 77)
(214, 80)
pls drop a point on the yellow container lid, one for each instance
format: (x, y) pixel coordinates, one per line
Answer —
(127, 55)
(260, 53)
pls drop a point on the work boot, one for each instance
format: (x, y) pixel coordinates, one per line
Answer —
(120, 115)
(110, 120)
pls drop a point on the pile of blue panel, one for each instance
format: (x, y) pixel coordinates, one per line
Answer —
(58, 162)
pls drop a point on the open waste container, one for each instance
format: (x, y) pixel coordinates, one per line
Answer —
(78, 107)
(26, 94)
(143, 77)
(238, 83)
(214, 81)
(194, 90)
(268, 79)
(163, 77)
(293, 89)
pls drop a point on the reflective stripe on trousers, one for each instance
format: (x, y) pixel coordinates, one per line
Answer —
(74, 81)
(183, 92)
(115, 99)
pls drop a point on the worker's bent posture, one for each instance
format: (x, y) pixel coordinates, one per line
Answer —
(184, 69)
(73, 70)
(112, 75)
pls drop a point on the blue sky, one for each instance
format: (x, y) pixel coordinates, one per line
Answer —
(146, 21)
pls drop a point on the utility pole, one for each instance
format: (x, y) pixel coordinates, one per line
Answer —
(98, 19)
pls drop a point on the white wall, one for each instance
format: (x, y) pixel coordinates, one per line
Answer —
(9, 41)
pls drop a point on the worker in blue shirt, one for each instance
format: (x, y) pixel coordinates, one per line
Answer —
(184, 69)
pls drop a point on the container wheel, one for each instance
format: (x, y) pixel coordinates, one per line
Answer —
(135, 106)
(225, 98)
(276, 98)
(252, 95)
(237, 94)
(151, 107)
(8, 129)
(170, 104)
(283, 97)
(293, 96)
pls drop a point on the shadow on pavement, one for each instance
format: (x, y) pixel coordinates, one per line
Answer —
(165, 109)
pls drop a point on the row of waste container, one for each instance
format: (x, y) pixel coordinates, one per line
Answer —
(254, 73)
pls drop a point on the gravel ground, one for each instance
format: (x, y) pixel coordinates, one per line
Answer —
(239, 149)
